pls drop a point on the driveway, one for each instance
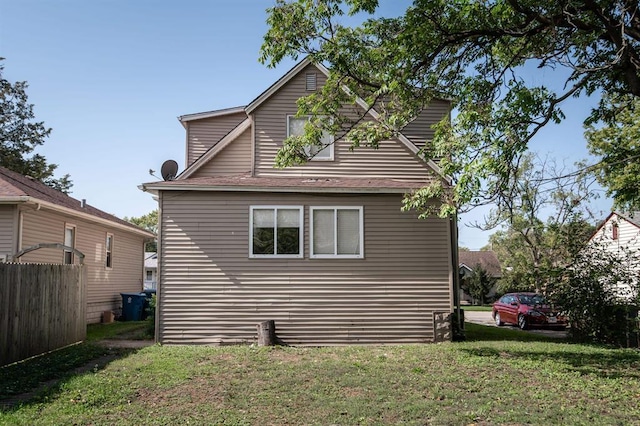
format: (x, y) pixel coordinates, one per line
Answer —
(484, 318)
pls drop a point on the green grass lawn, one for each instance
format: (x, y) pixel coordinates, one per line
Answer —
(476, 308)
(495, 377)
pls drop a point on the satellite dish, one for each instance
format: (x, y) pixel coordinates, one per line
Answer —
(169, 170)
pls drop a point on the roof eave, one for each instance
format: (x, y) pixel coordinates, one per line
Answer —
(155, 187)
(14, 199)
(88, 217)
(210, 114)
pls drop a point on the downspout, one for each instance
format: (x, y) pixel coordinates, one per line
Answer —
(158, 270)
(453, 223)
(20, 225)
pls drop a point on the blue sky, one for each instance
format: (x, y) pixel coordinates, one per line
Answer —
(110, 77)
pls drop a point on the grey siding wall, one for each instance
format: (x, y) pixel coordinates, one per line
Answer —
(205, 133)
(212, 293)
(392, 159)
(419, 130)
(234, 159)
(104, 284)
(8, 222)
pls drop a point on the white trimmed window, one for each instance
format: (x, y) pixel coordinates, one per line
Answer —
(109, 251)
(337, 232)
(295, 127)
(69, 241)
(276, 231)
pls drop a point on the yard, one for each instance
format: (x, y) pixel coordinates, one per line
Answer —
(497, 376)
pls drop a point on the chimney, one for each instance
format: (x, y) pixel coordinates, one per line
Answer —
(83, 203)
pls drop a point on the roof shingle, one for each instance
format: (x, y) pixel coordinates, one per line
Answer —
(13, 184)
(485, 258)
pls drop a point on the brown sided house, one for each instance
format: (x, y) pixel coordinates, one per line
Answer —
(469, 260)
(32, 213)
(323, 249)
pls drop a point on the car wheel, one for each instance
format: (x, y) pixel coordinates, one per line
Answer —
(522, 322)
(497, 319)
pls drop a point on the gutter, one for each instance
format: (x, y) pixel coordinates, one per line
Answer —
(89, 217)
(336, 190)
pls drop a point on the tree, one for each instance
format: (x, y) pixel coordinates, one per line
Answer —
(20, 135)
(149, 222)
(470, 51)
(545, 224)
(615, 138)
(479, 284)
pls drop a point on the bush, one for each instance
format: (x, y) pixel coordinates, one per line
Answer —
(151, 316)
(599, 293)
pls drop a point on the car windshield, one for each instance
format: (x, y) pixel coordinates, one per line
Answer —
(532, 299)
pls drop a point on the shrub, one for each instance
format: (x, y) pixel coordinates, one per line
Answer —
(599, 292)
(151, 316)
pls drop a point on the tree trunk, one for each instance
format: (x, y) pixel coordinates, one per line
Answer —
(267, 333)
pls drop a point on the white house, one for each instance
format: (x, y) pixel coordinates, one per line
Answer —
(150, 270)
(620, 233)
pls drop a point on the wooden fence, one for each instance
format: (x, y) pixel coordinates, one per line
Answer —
(42, 308)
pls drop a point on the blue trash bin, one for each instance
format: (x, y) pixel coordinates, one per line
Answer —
(132, 306)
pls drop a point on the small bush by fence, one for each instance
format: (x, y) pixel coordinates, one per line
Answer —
(42, 308)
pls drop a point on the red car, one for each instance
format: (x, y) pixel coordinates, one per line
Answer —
(527, 310)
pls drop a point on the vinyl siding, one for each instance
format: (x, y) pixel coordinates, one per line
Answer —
(104, 285)
(8, 223)
(234, 159)
(419, 130)
(391, 160)
(212, 293)
(628, 235)
(204, 133)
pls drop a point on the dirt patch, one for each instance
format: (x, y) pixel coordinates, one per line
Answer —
(94, 364)
(127, 344)
(117, 348)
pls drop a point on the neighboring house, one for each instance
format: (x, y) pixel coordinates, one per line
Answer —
(150, 270)
(323, 249)
(32, 213)
(468, 260)
(619, 232)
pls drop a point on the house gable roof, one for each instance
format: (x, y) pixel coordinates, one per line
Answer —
(633, 218)
(215, 149)
(253, 105)
(16, 188)
(487, 259)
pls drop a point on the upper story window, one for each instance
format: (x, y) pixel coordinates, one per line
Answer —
(109, 251)
(295, 127)
(337, 232)
(69, 241)
(614, 231)
(276, 231)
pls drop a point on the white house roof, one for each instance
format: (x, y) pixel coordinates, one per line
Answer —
(150, 260)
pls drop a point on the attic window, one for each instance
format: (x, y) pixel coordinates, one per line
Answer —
(295, 127)
(614, 231)
(311, 81)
